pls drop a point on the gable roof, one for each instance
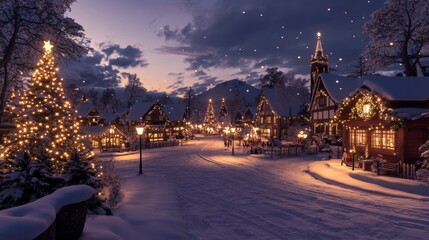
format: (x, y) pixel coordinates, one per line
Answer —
(84, 108)
(338, 87)
(392, 88)
(175, 111)
(139, 110)
(282, 104)
(399, 88)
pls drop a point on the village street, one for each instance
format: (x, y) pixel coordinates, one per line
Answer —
(248, 197)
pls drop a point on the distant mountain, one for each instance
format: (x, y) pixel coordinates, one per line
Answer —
(238, 96)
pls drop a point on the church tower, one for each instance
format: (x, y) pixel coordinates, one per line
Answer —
(318, 62)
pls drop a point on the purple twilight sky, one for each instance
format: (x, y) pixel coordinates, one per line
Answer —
(175, 44)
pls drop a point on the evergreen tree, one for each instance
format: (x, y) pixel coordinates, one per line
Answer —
(189, 99)
(44, 119)
(210, 118)
(223, 112)
(273, 78)
(45, 140)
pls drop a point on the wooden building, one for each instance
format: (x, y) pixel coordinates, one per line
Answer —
(387, 116)
(177, 118)
(329, 91)
(274, 109)
(152, 117)
(87, 114)
(107, 138)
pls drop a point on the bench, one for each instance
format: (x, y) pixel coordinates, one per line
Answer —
(389, 168)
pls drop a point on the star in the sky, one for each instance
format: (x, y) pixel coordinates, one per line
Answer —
(48, 46)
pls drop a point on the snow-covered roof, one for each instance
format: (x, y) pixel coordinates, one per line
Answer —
(339, 87)
(94, 130)
(282, 104)
(252, 110)
(399, 88)
(109, 116)
(84, 108)
(411, 113)
(392, 88)
(174, 111)
(139, 110)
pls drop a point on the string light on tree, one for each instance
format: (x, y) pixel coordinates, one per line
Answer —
(46, 127)
(210, 118)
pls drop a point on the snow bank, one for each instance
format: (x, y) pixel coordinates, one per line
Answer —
(149, 210)
(332, 172)
(37, 216)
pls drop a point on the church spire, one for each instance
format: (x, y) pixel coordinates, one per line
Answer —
(318, 62)
(319, 49)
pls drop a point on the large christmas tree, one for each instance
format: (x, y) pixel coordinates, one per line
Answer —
(46, 129)
(46, 151)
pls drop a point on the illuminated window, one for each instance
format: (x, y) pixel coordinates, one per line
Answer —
(383, 139)
(366, 108)
(268, 119)
(261, 119)
(358, 138)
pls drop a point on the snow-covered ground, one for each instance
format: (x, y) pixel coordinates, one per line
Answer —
(200, 191)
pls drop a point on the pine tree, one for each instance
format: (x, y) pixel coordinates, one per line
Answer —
(210, 118)
(46, 145)
(223, 112)
(46, 129)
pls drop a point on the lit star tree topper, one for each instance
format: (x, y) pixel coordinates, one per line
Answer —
(46, 128)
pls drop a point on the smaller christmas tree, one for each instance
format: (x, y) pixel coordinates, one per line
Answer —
(223, 112)
(210, 118)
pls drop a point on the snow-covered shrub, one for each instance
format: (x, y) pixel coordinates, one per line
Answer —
(423, 172)
(422, 175)
(26, 180)
(112, 183)
(80, 169)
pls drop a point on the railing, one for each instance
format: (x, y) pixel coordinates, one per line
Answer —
(60, 215)
(407, 171)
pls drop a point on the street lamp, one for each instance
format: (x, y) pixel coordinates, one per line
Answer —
(353, 151)
(302, 136)
(181, 136)
(233, 133)
(139, 130)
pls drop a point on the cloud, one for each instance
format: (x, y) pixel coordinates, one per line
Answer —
(89, 72)
(103, 67)
(246, 34)
(127, 57)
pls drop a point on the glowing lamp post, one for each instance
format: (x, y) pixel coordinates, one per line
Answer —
(139, 130)
(352, 152)
(302, 136)
(233, 133)
(181, 136)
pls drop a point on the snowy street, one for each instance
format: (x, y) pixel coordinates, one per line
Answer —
(247, 197)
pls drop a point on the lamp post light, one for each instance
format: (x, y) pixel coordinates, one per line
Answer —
(181, 136)
(353, 151)
(233, 133)
(139, 130)
(302, 136)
